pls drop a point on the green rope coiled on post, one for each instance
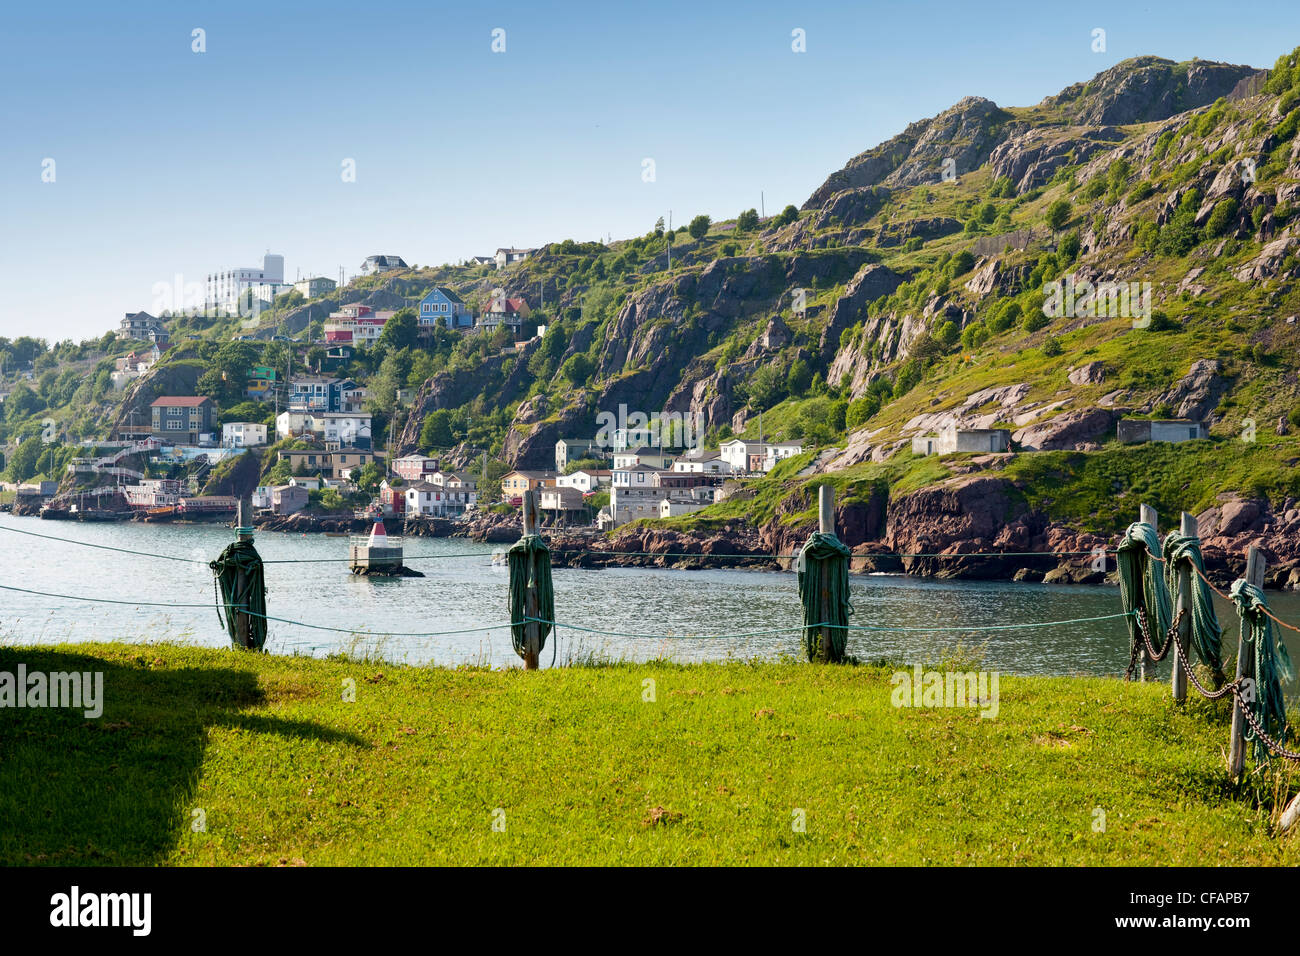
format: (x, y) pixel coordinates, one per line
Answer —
(824, 564)
(1139, 585)
(521, 563)
(1207, 633)
(1272, 665)
(241, 556)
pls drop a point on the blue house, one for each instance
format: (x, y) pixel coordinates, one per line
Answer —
(446, 305)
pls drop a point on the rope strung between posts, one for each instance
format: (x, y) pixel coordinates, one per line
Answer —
(529, 562)
(1207, 634)
(1140, 588)
(240, 586)
(1272, 666)
(823, 575)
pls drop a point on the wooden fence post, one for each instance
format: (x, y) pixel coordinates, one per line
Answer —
(826, 525)
(1147, 515)
(1178, 683)
(1245, 668)
(243, 519)
(532, 630)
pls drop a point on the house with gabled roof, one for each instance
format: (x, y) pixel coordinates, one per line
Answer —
(505, 257)
(441, 306)
(376, 264)
(183, 419)
(510, 311)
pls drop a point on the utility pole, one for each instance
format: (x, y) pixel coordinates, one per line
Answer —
(762, 207)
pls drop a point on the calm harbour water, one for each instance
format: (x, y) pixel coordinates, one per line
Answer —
(464, 590)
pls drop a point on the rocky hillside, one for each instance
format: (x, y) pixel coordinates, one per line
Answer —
(1127, 246)
(923, 262)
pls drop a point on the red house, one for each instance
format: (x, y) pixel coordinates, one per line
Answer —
(392, 500)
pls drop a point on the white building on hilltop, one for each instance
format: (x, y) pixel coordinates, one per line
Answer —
(225, 287)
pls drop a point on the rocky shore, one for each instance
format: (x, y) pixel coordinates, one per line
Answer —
(972, 527)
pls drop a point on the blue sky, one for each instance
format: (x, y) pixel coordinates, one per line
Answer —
(173, 162)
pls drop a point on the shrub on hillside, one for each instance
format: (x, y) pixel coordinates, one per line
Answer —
(974, 335)
(1033, 321)
(861, 409)
(1223, 215)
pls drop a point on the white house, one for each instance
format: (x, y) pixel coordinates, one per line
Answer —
(706, 465)
(377, 264)
(458, 492)
(584, 479)
(638, 501)
(779, 452)
(668, 508)
(645, 455)
(505, 257)
(738, 453)
(633, 476)
(262, 497)
(243, 434)
(315, 286)
(424, 498)
(336, 429)
(293, 423)
(343, 428)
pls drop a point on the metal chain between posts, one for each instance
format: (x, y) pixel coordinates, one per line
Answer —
(1233, 687)
(1157, 656)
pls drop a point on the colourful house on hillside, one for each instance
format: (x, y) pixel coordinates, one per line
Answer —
(500, 310)
(261, 382)
(444, 307)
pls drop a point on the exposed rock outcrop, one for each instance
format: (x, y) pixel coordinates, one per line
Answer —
(1147, 88)
(964, 133)
(1197, 394)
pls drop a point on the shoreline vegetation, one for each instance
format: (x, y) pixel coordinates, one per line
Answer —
(219, 757)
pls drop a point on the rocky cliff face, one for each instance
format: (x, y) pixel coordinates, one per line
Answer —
(1030, 156)
(169, 378)
(964, 133)
(503, 375)
(1147, 88)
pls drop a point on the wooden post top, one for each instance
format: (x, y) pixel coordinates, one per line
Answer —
(1255, 566)
(1187, 525)
(1147, 515)
(826, 509)
(244, 518)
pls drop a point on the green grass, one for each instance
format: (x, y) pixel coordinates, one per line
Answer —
(585, 770)
(1101, 491)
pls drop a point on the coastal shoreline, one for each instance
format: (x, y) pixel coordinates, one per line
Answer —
(1058, 556)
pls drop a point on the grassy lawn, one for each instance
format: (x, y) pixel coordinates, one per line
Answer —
(583, 770)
